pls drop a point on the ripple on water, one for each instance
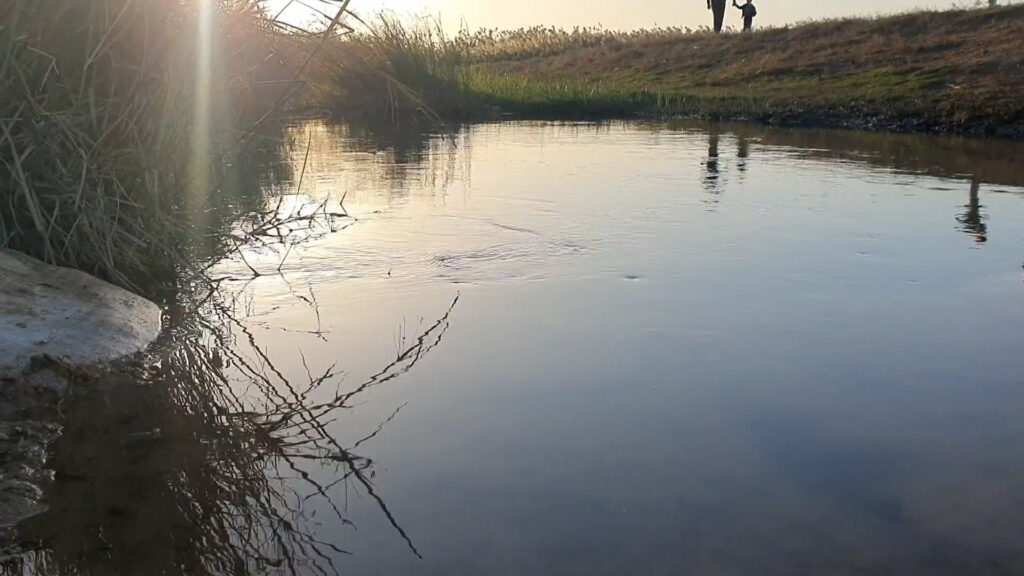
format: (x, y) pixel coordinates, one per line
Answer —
(492, 262)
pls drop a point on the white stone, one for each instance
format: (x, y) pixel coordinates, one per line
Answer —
(67, 314)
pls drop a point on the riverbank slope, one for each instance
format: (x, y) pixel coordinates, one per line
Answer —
(958, 71)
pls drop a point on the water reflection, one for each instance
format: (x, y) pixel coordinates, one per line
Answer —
(361, 161)
(987, 160)
(204, 457)
(976, 160)
(786, 374)
(244, 180)
(973, 220)
(785, 378)
(712, 173)
(742, 152)
(715, 173)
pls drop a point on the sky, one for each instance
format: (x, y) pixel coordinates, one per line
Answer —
(620, 14)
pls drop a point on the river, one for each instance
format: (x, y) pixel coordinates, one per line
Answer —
(546, 348)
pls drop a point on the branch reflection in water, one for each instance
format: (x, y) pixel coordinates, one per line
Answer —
(200, 459)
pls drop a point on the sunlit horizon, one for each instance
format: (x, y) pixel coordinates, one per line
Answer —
(473, 14)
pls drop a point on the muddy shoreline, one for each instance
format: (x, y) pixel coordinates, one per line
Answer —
(884, 125)
(58, 325)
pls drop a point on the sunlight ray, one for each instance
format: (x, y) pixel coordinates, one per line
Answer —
(200, 162)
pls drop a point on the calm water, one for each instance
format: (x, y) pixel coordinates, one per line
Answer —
(621, 349)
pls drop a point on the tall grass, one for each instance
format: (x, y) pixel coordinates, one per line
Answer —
(101, 167)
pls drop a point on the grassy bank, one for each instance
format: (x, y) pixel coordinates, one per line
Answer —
(957, 71)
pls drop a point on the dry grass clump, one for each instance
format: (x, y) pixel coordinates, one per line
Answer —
(100, 166)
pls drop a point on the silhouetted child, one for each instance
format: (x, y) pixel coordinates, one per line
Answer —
(748, 14)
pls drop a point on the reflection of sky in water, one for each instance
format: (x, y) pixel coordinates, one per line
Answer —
(800, 365)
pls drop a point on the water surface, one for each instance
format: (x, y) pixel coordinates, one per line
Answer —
(630, 348)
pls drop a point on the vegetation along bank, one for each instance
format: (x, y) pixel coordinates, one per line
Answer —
(959, 71)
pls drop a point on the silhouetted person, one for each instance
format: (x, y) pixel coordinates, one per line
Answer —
(749, 11)
(973, 220)
(718, 7)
